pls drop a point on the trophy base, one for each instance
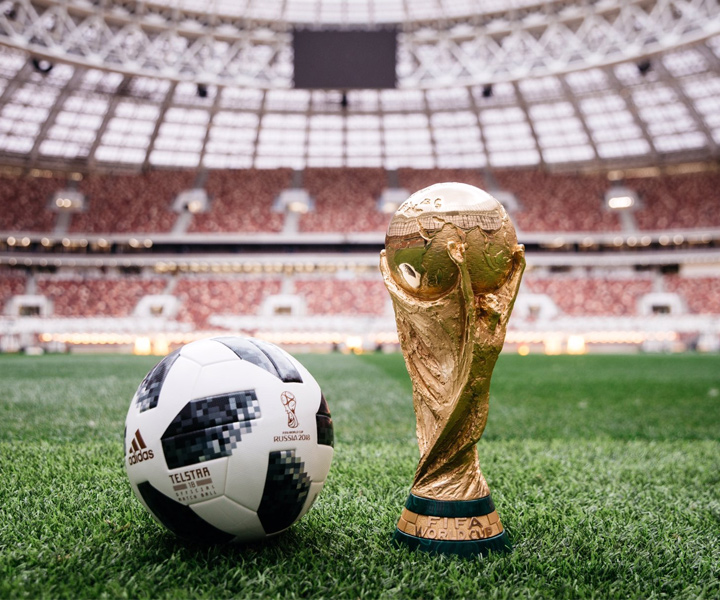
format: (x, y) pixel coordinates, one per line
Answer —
(461, 527)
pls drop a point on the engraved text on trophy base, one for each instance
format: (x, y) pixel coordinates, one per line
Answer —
(450, 528)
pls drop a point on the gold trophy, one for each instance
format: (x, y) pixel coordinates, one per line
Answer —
(453, 267)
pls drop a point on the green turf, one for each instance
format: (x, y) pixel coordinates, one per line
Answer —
(605, 471)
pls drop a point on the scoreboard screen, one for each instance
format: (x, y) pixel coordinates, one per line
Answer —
(342, 59)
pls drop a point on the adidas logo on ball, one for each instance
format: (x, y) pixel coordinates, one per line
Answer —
(138, 450)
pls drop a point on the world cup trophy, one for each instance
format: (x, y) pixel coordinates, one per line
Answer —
(453, 267)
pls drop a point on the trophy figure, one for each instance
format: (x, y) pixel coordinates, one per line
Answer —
(453, 267)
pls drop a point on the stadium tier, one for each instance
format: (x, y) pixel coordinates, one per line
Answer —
(201, 298)
(102, 297)
(139, 203)
(677, 202)
(242, 201)
(601, 296)
(559, 202)
(345, 200)
(11, 285)
(323, 307)
(25, 203)
(292, 255)
(342, 297)
(700, 294)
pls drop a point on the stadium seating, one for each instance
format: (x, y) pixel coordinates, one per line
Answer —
(106, 297)
(242, 201)
(130, 203)
(343, 297)
(596, 296)
(24, 202)
(559, 202)
(677, 201)
(700, 294)
(11, 284)
(201, 297)
(345, 200)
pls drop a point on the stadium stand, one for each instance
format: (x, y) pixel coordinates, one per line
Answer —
(700, 294)
(11, 285)
(343, 297)
(551, 202)
(130, 203)
(677, 201)
(24, 202)
(561, 296)
(242, 201)
(345, 200)
(591, 296)
(106, 297)
(202, 297)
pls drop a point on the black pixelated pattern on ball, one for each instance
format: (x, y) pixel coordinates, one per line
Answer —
(209, 428)
(264, 355)
(286, 370)
(325, 431)
(286, 489)
(148, 393)
(182, 520)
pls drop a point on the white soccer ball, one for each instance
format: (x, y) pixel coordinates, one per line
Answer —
(228, 439)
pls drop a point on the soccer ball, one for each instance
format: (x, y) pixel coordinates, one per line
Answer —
(419, 232)
(228, 439)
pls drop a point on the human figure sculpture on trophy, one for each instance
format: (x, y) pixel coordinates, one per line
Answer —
(453, 268)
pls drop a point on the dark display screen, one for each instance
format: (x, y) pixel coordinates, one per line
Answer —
(344, 59)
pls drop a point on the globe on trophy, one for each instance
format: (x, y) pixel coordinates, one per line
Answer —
(453, 267)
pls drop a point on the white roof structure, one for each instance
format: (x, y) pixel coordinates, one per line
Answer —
(92, 84)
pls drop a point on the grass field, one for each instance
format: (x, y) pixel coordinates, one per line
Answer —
(605, 471)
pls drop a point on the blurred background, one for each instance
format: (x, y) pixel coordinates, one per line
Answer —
(171, 170)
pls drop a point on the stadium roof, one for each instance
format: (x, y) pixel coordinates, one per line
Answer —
(183, 83)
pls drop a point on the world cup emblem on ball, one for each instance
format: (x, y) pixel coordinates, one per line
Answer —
(453, 267)
(288, 400)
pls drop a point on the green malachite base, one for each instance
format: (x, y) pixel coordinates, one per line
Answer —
(463, 527)
(465, 548)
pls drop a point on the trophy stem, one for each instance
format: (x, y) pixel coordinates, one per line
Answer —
(461, 527)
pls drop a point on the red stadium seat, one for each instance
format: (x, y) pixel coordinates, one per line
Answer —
(130, 203)
(106, 297)
(242, 201)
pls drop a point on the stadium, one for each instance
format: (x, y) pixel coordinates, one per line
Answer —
(173, 170)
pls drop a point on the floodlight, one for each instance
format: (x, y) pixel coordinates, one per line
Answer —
(67, 201)
(298, 207)
(193, 201)
(621, 202)
(294, 200)
(194, 206)
(42, 65)
(620, 198)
